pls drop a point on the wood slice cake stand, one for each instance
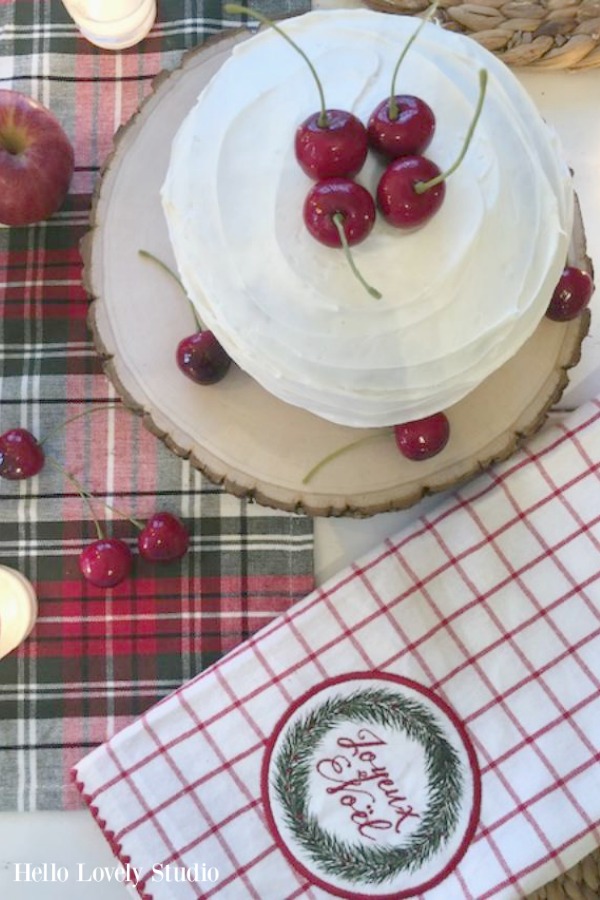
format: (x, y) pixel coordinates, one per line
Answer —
(237, 433)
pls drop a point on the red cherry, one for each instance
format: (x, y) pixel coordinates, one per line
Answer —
(339, 195)
(423, 438)
(408, 133)
(337, 150)
(202, 358)
(397, 199)
(105, 562)
(571, 295)
(20, 454)
(163, 538)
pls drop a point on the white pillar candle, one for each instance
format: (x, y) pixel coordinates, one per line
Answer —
(113, 24)
(18, 609)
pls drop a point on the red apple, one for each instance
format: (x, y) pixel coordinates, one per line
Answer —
(36, 160)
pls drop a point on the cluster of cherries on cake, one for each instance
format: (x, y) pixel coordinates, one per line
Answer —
(331, 147)
(104, 562)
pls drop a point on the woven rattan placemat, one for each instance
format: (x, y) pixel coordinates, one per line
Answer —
(545, 34)
(582, 882)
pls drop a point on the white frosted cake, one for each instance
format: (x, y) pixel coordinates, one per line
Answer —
(459, 296)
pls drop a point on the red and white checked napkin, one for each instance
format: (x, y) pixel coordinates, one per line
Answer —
(483, 620)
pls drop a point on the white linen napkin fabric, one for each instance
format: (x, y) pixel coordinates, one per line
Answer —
(427, 724)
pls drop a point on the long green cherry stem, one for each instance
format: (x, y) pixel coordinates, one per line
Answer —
(422, 186)
(99, 532)
(393, 108)
(83, 494)
(340, 450)
(338, 221)
(81, 415)
(145, 254)
(88, 497)
(237, 9)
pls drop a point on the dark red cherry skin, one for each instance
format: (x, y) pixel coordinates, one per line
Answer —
(105, 562)
(571, 295)
(423, 438)
(20, 455)
(337, 151)
(202, 358)
(163, 538)
(398, 202)
(339, 195)
(409, 134)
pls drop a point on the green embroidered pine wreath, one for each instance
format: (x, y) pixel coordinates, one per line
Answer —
(353, 861)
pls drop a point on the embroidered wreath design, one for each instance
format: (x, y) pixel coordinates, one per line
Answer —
(354, 861)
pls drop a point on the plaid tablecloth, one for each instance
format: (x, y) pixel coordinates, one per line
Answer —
(96, 659)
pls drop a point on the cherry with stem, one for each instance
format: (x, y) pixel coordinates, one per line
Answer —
(199, 356)
(21, 453)
(402, 124)
(339, 212)
(105, 562)
(412, 188)
(331, 143)
(416, 440)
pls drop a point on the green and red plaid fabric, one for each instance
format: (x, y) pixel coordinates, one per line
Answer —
(97, 659)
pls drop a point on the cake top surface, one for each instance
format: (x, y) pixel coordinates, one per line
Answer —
(459, 296)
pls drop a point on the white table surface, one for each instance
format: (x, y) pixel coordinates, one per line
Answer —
(570, 102)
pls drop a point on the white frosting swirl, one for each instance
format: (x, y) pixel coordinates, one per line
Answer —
(459, 296)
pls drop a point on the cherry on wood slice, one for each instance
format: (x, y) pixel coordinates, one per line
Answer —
(235, 432)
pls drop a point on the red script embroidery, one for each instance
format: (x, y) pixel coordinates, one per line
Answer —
(359, 789)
